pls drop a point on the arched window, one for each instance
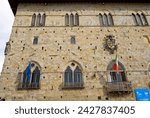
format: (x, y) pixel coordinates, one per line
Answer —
(114, 76)
(35, 78)
(68, 76)
(76, 20)
(71, 20)
(138, 18)
(33, 20)
(67, 20)
(101, 20)
(38, 21)
(77, 75)
(110, 20)
(144, 20)
(42, 23)
(105, 20)
(31, 76)
(135, 20)
(73, 76)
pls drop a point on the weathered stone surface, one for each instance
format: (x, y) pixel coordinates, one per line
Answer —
(88, 52)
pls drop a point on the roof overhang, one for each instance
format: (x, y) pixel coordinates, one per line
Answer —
(14, 3)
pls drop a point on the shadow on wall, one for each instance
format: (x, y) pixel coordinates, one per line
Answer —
(2, 99)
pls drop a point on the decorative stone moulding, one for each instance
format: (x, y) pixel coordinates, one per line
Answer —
(110, 44)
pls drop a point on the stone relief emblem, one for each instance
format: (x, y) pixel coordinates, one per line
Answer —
(110, 44)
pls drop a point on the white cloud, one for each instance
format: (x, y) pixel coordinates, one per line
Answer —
(6, 22)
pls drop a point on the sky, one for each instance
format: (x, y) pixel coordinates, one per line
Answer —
(6, 22)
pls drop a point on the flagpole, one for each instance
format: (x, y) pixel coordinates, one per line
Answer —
(116, 66)
(116, 69)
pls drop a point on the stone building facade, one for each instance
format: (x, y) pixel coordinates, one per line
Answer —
(71, 48)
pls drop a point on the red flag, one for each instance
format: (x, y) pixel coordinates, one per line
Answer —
(116, 67)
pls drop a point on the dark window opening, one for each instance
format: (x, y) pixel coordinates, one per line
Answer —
(33, 20)
(140, 19)
(73, 77)
(106, 20)
(119, 76)
(67, 20)
(30, 78)
(38, 20)
(72, 40)
(72, 20)
(35, 40)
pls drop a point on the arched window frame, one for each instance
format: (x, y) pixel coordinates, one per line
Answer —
(34, 81)
(144, 20)
(78, 75)
(71, 19)
(101, 20)
(73, 77)
(43, 20)
(113, 76)
(135, 20)
(66, 20)
(38, 21)
(105, 19)
(68, 76)
(139, 20)
(76, 23)
(33, 20)
(110, 20)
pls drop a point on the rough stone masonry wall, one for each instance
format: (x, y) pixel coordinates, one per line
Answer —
(54, 51)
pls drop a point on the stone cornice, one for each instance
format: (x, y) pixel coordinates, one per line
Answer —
(14, 3)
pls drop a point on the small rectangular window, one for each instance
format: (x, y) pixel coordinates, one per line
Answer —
(72, 40)
(35, 40)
